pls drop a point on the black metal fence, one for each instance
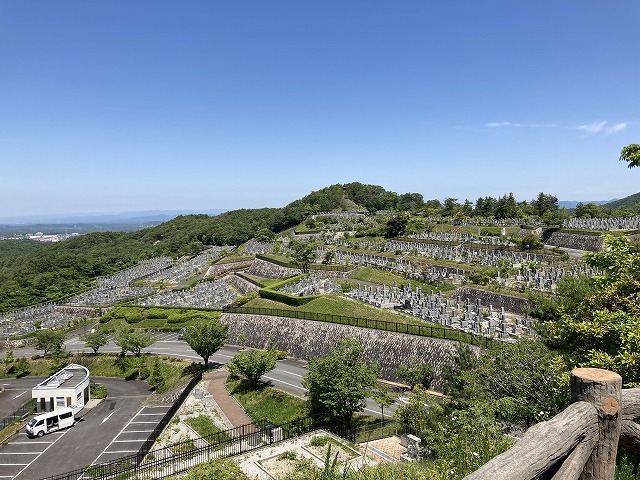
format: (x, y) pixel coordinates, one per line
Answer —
(180, 457)
(423, 330)
(25, 409)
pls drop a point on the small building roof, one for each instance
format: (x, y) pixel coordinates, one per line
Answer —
(69, 377)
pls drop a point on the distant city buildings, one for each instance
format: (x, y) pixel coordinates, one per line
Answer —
(41, 237)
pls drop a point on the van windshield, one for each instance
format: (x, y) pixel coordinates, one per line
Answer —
(32, 422)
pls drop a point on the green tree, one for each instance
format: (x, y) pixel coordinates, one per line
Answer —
(416, 373)
(602, 330)
(303, 254)
(524, 381)
(545, 203)
(49, 341)
(383, 398)
(156, 379)
(252, 365)
(396, 226)
(95, 340)
(631, 154)
(206, 337)
(339, 384)
(265, 235)
(588, 210)
(530, 242)
(133, 340)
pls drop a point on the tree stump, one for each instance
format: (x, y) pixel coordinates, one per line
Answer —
(601, 388)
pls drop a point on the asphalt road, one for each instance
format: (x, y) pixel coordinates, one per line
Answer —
(287, 376)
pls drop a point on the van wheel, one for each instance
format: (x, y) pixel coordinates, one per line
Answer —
(40, 433)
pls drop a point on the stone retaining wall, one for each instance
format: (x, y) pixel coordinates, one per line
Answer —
(307, 339)
(572, 240)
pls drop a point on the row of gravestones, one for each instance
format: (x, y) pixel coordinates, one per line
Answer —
(208, 294)
(218, 269)
(462, 238)
(264, 269)
(188, 267)
(314, 284)
(48, 316)
(618, 223)
(465, 315)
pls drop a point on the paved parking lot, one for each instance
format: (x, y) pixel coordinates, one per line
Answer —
(133, 435)
(116, 427)
(21, 452)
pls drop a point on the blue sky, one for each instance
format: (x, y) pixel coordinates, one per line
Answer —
(119, 106)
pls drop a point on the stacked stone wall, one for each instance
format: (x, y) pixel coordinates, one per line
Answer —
(511, 304)
(589, 243)
(308, 339)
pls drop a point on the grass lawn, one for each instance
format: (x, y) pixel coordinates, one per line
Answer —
(267, 403)
(175, 371)
(338, 305)
(384, 277)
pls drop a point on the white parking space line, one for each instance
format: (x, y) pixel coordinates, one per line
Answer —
(41, 453)
(123, 429)
(27, 443)
(20, 394)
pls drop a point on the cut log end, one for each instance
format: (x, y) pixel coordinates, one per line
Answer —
(596, 374)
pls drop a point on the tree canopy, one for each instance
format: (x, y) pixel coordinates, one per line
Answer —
(631, 154)
(339, 383)
(206, 337)
(602, 328)
(252, 365)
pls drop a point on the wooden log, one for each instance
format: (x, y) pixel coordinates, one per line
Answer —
(573, 466)
(543, 445)
(630, 436)
(602, 389)
(631, 404)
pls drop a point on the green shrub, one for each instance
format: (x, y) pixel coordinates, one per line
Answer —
(244, 299)
(285, 298)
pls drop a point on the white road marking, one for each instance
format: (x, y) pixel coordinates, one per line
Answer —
(285, 383)
(123, 429)
(20, 394)
(107, 418)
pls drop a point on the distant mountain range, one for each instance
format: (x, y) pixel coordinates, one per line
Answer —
(120, 218)
(573, 203)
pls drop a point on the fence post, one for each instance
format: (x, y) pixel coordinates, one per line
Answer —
(601, 388)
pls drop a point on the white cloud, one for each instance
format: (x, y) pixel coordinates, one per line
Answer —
(590, 128)
(502, 124)
(618, 127)
(594, 128)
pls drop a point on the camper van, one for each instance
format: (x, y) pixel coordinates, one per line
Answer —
(50, 422)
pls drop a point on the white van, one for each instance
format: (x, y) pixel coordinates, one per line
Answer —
(50, 422)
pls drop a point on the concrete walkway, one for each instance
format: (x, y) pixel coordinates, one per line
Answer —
(230, 407)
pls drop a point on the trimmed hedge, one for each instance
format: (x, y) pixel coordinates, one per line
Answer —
(285, 298)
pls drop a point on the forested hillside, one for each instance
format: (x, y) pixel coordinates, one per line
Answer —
(632, 201)
(32, 273)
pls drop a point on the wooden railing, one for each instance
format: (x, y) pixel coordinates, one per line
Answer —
(579, 443)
